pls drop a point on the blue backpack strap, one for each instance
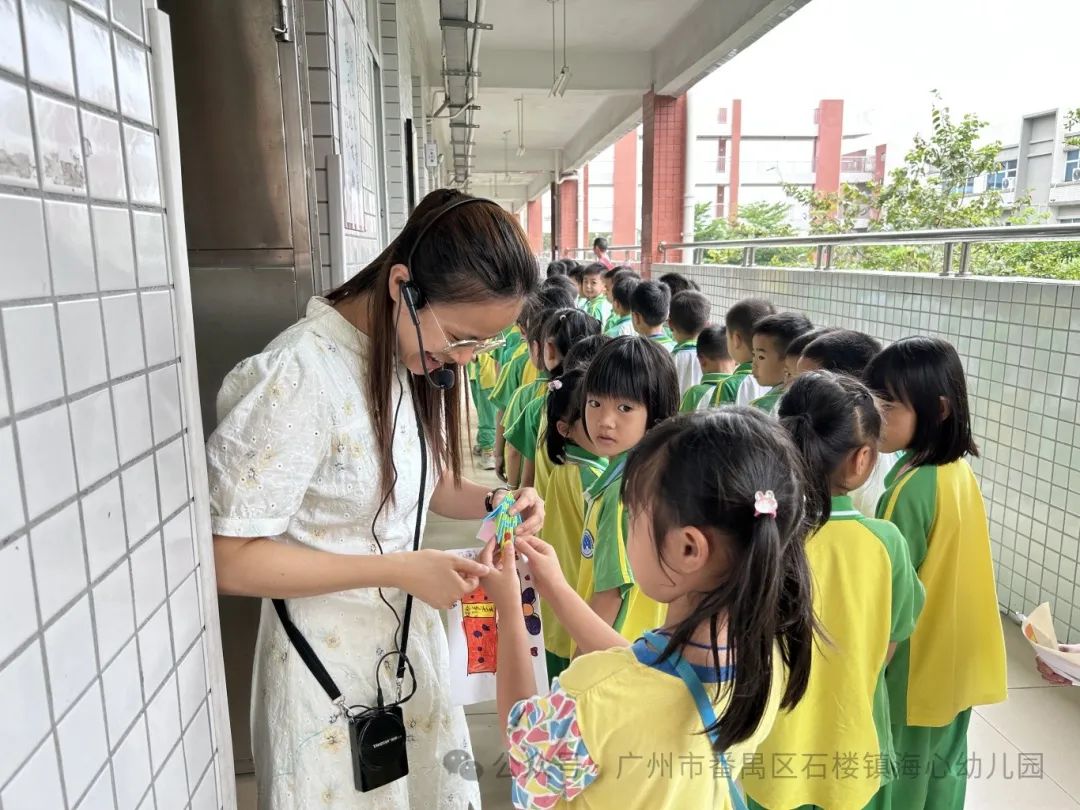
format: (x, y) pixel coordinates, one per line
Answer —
(704, 707)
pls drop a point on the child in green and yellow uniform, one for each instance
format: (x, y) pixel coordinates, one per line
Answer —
(716, 366)
(594, 302)
(955, 659)
(482, 375)
(867, 598)
(649, 304)
(561, 331)
(772, 335)
(740, 320)
(621, 322)
(630, 387)
(717, 536)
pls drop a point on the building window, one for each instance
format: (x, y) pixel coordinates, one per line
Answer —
(1072, 165)
(720, 209)
(721, 115)
(1004, 179)
(721, 155)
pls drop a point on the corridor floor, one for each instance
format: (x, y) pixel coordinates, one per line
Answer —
(1024, 753)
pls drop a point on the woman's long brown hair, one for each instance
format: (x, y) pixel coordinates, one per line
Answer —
(470, 254)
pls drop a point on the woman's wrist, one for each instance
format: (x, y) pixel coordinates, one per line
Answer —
(381, 570)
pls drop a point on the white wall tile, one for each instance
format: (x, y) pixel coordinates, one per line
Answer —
(93, 61)
(140, 499)
(33, 355)
(46, 25)
(150, 249)
(58, 560)
(165, 403)
(11, 508)
(132, 418)
(123, 698)
(16, 597)
(155, 650)
(186, 614)
(103, 518)
(112, 236)
(20, 168)
(95, 440)
(172, 476)
(70, 247)
(170, 787)
(104, 162)
(11, 56)
(113, 612)
(24, 707)
(134, 80)
(191, 675)
(24, 262)
(179, 548)
(148, 577)
(83, 342)
(160, 327)
(47, 463)
(131, 767)
(100, 795)
(60, 158)
(69, 655)
(143, 184)
(163, 721)
(198, 746)
(37, 785)
(123, 334)
(83, 747)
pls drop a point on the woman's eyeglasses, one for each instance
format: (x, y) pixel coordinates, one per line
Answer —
(472, 346)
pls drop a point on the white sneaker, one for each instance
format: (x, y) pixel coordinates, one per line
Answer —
(487, 460)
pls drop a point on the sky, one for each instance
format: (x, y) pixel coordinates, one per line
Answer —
(999, 59)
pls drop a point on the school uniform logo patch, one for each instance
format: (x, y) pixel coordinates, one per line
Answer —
(587, 545)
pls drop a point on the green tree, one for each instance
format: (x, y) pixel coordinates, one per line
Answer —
(753, 221)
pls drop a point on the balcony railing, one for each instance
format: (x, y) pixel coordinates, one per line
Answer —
(957, 243)
(616, 253)
(858, 165)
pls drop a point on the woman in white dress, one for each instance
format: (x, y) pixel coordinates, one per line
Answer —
(314, 483)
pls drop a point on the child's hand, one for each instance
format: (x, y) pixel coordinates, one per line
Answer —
(544, 565)
(501, 582)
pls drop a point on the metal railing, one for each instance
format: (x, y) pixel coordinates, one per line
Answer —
(630, 253)
(957, 242)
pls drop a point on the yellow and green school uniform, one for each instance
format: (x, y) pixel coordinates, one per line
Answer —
(509, 379)
(530, 374)
(619, 729)
(522, 435)
(687, 368)
(866, 596)
(563, 528)
(604, 563)
(770, 403)
(665, 340)
(599, 308)
(513, 338)
(955, 659)
(526, 393)
(482, 377)
(619, 325)
(726, 393)
(699, 397)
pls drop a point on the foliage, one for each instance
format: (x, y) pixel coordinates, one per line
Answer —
(754, 221)
(1072, 124)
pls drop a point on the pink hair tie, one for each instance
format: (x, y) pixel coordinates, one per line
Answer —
(554, 385)
(765, 504)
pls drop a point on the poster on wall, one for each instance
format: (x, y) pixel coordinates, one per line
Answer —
(349, 84)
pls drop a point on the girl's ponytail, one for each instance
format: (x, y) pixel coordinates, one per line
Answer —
(563, 404)
(564, 328)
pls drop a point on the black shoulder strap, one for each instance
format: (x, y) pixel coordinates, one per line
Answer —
(307, 655)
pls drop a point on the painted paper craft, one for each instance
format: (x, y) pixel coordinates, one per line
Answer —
(1038, 629)
(473, 638)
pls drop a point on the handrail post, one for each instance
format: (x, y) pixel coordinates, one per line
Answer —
(748, 257)
(947, 260)
(828, 257)
(965, 257)
(818, 256)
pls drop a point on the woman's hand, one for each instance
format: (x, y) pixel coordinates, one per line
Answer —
(440, 578)
(544, 565)
(528, 504)
(501, 581)
(1048, 674)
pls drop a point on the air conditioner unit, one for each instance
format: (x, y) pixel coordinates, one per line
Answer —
(1076, 174)
(1007, 184)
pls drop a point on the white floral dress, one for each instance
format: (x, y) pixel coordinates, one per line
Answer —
(293, 458)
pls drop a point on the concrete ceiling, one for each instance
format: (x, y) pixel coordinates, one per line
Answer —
(617, 50)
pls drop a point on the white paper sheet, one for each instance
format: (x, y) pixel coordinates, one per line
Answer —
(1038, 629)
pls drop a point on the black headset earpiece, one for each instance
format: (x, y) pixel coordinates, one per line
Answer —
(414, 299)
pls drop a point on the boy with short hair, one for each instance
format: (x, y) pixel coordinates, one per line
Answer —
(843, 351)
(688, 315)
(649, 306)
(594, 301)
(716, 366)
(770, 342)
(739, 321)
(795, 350)
(620, 323)
(600, 248)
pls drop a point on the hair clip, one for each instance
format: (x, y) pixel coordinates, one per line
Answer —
(554, 385)
(765, 504)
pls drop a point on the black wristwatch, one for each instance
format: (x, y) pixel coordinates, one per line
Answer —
(488, 505)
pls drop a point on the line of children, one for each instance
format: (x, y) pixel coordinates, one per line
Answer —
(688, 316)
(663, 561)
(649, 305)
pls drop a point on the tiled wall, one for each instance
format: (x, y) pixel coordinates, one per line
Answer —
(104, 696)
(397, 106)
(1020, 343)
